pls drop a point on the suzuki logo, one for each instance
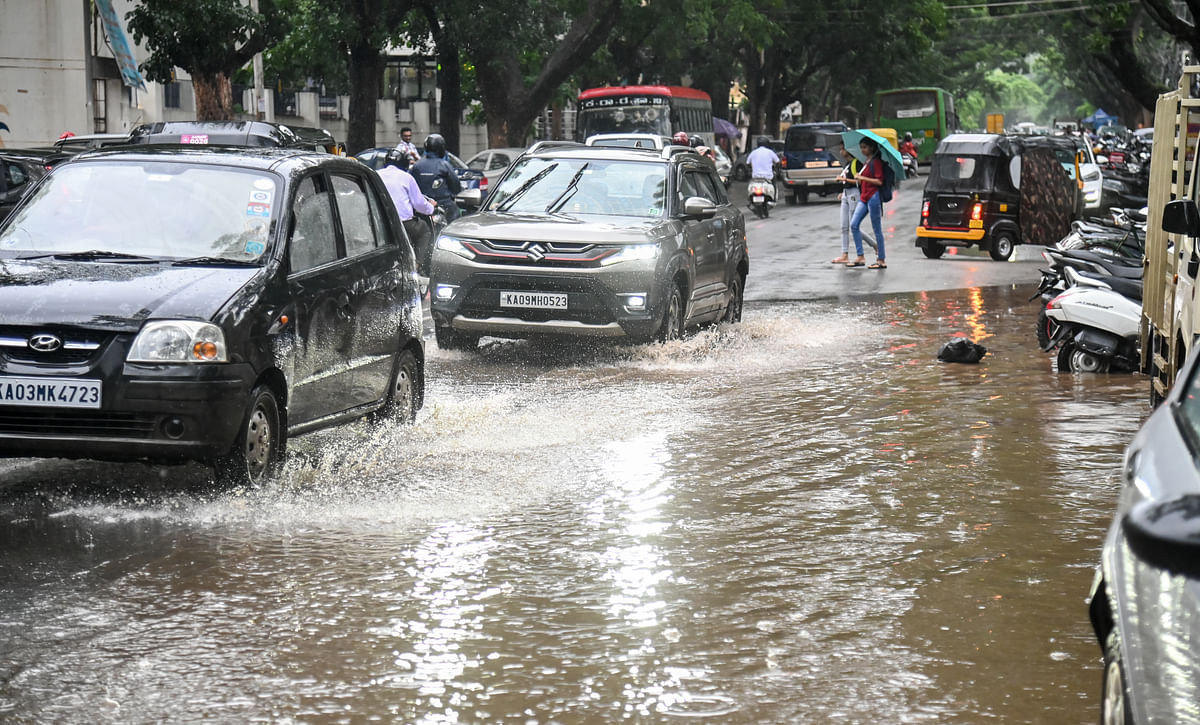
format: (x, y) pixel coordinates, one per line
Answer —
(45, 342)
(537, 252)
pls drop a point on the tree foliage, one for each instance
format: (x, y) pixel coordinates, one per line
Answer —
(210, 39)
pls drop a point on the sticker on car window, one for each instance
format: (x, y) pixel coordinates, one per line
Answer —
(255, 248)
(264, 184)
(258, 210)
(654, 211)
(260, 197)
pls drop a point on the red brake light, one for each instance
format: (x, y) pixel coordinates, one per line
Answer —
(977, 211)
(783, 161)
(925, 210)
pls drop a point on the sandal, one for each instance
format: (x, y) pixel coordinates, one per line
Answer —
(844, 259)
(857, 263)
(879, 264)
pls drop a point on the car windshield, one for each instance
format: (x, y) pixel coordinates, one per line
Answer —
(541, 185)
(159, 209)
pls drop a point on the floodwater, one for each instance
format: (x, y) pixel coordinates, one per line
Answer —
(801, 518)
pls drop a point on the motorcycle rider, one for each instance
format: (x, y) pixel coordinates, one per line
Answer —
(681, 139)
(436, 176)
(907, 146)
(762, 162)
(406, 195)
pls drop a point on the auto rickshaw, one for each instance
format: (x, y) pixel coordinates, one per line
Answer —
(995, 192)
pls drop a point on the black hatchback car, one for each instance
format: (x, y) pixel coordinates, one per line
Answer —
(173, 304)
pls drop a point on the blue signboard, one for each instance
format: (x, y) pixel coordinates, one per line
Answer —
(121, 49)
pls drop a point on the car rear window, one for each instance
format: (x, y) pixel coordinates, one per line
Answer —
(809, 138)
(164, 209)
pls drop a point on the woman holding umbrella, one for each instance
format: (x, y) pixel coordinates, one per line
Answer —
(870, 178)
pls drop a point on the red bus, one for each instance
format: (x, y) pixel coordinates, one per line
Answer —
(662, 110)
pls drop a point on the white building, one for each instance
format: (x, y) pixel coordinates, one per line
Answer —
(58, 74)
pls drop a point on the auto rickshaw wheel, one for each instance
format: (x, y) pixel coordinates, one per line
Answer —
(932, 250)
(1002, 246)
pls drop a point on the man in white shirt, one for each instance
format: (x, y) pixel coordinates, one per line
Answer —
(406, 146)
(409, 201)
(762, 162)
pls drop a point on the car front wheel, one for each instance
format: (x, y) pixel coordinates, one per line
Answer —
(448, 339)
(672, 324)
(1113, 696)
(257, 450)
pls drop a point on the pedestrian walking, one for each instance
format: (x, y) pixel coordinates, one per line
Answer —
(408, 148)
(849, 200)
(870, 179)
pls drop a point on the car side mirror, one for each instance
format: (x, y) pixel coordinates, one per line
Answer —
(1181, 217)
(1166, 534)
(699, 208)
(469, 198)
(1101, 160)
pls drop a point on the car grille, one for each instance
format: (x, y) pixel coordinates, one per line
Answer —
(541, 254)
(77, 348)
(75, 423)
(484, 301)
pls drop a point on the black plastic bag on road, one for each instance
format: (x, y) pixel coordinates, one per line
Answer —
(961, 350)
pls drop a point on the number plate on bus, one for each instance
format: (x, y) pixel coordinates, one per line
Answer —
(539, 300)
(50, 392)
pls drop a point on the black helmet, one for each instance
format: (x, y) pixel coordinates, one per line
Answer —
(397, 158)
(695, 141)
(764, 141)
(908, 136)
(435, 144)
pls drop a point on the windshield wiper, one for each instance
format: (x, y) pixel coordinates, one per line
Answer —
(512, 199)
(94, 254)
(566, 194)
(213, 262)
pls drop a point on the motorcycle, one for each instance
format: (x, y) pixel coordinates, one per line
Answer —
(1093, 326)
(910, 165)
(760, 194)
(427, 229)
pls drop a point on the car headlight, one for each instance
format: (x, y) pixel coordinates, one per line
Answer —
(631, 253)
(455, 245)
(179, 341)
(1093, 175)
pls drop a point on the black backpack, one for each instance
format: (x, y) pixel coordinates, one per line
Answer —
(889, 182)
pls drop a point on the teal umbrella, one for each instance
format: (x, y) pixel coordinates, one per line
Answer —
(889, 153)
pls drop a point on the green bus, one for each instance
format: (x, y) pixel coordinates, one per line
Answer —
(925, 112)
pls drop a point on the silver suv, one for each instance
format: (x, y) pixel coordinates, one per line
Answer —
(592, 242)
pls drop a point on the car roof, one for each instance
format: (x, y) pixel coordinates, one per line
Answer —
(615, 153)
(282, 160)
(38, 154)
(234, 133)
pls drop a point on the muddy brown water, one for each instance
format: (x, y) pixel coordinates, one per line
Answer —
(802, 518)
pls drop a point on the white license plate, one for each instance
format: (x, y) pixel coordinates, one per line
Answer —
(758, 199)
(539, 300)
(50, 392)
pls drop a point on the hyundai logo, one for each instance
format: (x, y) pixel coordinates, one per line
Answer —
(537, 252)
(45, 342)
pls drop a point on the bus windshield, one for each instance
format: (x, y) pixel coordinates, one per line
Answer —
(908, 104)
(642, 114)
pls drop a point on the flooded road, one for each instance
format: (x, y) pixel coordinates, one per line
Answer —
(802, 518)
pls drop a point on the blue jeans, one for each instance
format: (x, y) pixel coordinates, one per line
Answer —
(875, 206)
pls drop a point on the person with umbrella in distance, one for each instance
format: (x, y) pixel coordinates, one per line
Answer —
(869, 148)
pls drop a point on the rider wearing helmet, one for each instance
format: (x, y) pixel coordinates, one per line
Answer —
(695, 141)
(436, 176)
(907, 146)
(681, 139)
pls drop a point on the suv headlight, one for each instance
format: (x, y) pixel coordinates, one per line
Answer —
(455, 245)
(1092, 175)
(178, 341)
(631, 253)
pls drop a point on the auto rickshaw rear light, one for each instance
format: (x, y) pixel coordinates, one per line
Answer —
(977, 211)
(925, 210)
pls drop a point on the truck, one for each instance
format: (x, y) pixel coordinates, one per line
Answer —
(1170, 320)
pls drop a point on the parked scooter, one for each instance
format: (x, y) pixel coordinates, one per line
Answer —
(1094, 327)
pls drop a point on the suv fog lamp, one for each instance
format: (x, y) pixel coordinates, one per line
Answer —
(178, 341)
(445, 291)
(635, 302)
(631, 253)
(455, 246)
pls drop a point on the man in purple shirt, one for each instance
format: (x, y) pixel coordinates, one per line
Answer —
(409, 200)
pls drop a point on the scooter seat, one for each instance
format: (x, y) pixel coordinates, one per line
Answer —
(1116, 266)
(1131, 288)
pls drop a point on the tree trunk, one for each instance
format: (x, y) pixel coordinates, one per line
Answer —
(214, 96)
(450, 82)
(366, 75)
